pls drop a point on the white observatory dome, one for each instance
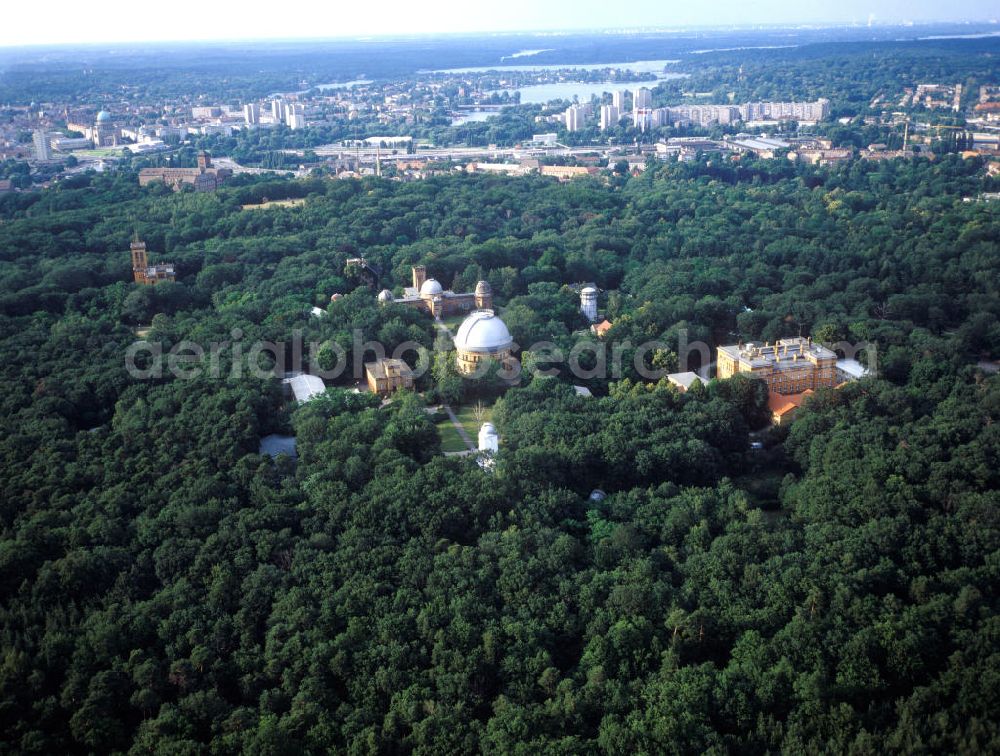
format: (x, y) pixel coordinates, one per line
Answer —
(385, 296)
(430, 288)
(482, 331)
(488, 438)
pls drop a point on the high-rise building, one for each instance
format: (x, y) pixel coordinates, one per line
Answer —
(251, 113)
(295, 115)
(609, 116)
(41, 140)
(642, 99)
(278, 110)
(618, 100)
(642, 119)
(573, 118)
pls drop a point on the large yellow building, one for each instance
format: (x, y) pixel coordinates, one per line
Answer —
(788, 366)
(388, 375)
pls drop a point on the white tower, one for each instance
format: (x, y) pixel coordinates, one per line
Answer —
(588, 303)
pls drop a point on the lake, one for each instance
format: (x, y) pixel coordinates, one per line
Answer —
(472, 116)
(567, 90)
(638, 66)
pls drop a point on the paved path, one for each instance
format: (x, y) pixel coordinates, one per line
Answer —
(458, 427)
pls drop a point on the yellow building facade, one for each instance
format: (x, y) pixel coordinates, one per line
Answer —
(788, 366)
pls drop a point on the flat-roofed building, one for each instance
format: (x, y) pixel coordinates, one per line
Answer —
(386, 376)
(567, 172)
(788, 366)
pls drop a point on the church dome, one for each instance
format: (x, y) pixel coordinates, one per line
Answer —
(482, 331)
(483, 288)
(385, 296)
(430, 287)
(103, 117)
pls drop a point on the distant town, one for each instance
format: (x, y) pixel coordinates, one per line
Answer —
(623, 122)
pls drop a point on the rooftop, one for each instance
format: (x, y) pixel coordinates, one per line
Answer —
(388, 368)
(783, 354)
(305, 387)
(684, 380)
(482, 331)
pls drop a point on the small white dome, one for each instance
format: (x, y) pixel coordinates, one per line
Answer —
(482, 331)
(589, 291)
(385, 296)
(430, 287)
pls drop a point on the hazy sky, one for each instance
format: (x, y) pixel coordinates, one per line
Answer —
(77, 21)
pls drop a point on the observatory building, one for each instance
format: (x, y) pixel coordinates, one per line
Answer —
(588, 303)
(428, 295)
(483, 336)
(788, 366)
(144, 273)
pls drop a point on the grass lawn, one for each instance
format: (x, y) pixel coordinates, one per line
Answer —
(450, 440)
(467, 418)
(276, 203)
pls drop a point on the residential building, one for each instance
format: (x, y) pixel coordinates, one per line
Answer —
(278, 110)
(251, 113)
(203, 113)
(618, 100)
(642, 98)
(784, 407)
(610, 115)
(567, 172)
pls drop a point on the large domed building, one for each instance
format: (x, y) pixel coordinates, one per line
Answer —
(429, 295)
(105, 134)
(483, 336)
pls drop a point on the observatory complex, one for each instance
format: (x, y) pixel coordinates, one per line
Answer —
(428, 295)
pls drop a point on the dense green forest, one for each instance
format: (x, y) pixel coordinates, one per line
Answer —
(166, 588)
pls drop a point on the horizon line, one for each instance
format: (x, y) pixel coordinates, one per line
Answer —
(564, 32)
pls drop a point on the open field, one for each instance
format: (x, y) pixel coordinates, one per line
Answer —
(276, 203)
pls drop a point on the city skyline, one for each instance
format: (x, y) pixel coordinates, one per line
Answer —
(190, 21)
